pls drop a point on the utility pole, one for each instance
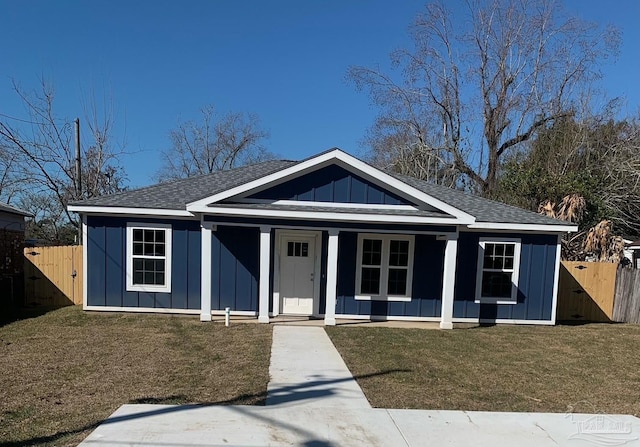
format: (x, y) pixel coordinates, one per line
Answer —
(78, 174)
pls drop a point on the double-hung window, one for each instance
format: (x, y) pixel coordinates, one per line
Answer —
(384, 267)
(148, 257)
(498, 270)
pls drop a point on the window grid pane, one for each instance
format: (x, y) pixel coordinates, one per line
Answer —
(496, 284)
(499, 256)
(397, 282)
(399, 253)
(370, 282)
(372, 252)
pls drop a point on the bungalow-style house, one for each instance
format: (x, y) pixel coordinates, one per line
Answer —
(327, 237)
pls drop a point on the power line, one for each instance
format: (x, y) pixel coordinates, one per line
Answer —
(26, 121)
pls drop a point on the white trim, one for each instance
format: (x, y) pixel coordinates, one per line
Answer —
(285, 226)
(127, 210)
(386, 318)
(85, 276)
(332, 216)
(515, 271)
(523, 227)
(350, 163)
(556, 280)
(205, 270)
(503, 321)
(280, 235)
(384, 267)
(332, 278)
(376, 206)
(130, 286)
(436, 319)
(238, 313)
(448, 282)
(263, 286)
(153, 310)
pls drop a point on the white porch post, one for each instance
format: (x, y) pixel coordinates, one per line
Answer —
(449, 282)
(556, 279)
(332, 278)
(205, 271)
(265, 262)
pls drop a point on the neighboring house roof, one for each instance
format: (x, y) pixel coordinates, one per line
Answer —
(6, 208)
(209, 192)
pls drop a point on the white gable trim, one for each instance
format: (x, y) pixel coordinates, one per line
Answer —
(344, 160)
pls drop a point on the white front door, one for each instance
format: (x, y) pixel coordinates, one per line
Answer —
(297, 273)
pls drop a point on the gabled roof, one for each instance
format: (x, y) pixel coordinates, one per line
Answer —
(212, 193)
(5, 207)
(175, 195)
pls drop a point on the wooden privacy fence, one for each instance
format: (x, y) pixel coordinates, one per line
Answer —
(627, 300)
(586, 291)
(53, 275)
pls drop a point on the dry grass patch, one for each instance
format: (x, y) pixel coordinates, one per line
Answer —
(64, 372)
(591, 368)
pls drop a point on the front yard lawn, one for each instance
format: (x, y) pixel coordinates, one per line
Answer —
(63, 372)
(593, 368)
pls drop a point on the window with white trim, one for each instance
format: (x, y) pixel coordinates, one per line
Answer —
(384, 267)
(498, 270)
(148, 257)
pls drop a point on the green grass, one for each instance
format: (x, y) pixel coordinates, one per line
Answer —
(591, 368)
(63, 372)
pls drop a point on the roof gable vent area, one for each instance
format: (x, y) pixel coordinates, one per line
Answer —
(330, 184)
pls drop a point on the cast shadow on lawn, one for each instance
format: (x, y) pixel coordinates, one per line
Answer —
(10, 314)
(286, 394)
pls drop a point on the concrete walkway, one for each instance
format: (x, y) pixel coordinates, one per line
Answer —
(306, 369)
(313, 401)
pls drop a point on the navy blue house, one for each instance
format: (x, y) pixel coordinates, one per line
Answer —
(328, 237)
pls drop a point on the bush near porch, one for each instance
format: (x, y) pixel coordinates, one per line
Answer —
(593, 368)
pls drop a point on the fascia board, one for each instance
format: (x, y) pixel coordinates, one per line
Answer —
(523, 227)
(128, 210)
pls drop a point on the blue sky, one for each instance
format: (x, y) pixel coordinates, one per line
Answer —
(284, 60)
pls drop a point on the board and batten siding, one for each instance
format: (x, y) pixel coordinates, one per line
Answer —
(535, 283)
(331, 184)
(106, 265)
(426, 288)
(235, 268)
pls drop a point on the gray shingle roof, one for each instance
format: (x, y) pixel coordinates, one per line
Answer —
(176, 194)
(5, 207)
(484, 210)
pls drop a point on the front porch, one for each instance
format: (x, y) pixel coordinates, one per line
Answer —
(314, 275)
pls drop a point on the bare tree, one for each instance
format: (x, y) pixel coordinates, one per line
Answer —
(477, 85)
(213, 144)
(42, 149)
